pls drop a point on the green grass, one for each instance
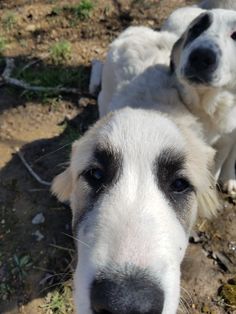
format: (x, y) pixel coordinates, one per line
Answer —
(60, 52)
(3, 45)
(21, 265)
(59, 301)
(82, 10)
(51, 76)
(9, 21)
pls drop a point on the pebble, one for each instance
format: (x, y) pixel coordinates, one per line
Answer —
(38, 219)
(39, 235)
(30, 28)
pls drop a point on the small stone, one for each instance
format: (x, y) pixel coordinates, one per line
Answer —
(38, 219)
(3, 221)
(30, 28)
(39, 235)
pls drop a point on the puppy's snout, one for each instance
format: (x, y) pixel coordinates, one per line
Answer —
(126, 295)
(202, 62)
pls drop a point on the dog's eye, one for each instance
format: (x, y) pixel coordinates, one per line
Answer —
(180, 185)
(233, 36)
(94, 175)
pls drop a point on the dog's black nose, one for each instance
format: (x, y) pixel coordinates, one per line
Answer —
(201, 64)
(129, 294)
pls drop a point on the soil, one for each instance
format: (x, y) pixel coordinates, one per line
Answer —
(33, 269)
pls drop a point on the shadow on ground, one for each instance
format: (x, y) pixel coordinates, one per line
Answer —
(30, 266)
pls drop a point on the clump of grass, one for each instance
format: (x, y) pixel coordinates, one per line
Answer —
(3, 45)
(82, 10)
(21, 266)
(9, 21)
(59, 301)
(53, 76)
(60, 52)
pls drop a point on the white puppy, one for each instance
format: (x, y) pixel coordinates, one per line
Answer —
(134, 183)
(203, 61)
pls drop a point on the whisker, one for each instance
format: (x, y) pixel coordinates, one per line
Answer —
(50, 153)
(76, 239)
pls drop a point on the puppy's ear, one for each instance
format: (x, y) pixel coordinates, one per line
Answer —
(62, 185)
(208, 196)
(201, 164)
(175, 53)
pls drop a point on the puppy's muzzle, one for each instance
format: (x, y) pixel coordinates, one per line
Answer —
(126, 294)
(201, 65)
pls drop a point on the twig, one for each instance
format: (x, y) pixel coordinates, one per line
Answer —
(7, 79)
(31, 171)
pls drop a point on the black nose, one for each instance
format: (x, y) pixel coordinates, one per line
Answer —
(126, 294)
(201, 64)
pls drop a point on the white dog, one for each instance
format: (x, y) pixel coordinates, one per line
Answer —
(203, 61)
(134, 183)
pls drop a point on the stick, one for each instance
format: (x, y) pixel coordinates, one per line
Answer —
(6, 77)
(31, 171)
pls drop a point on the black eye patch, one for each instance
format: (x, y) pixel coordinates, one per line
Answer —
(168, 170)
(199, 25)
(104, 170)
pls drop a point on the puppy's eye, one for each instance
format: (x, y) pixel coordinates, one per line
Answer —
(233, 36)
(180, 185)
(94, 176)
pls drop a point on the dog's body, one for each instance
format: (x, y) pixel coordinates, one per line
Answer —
(130, 55)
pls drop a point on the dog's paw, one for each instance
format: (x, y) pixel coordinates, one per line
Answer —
(229, 187)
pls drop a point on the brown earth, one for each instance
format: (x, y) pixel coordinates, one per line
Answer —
(35, 275)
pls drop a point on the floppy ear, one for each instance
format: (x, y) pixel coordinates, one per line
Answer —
(201, 166)
(208, 196)
(62, 185)
(175, 53)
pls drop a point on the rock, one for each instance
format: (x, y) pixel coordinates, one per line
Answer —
(39, 236)
(30, 28)
(38, 219)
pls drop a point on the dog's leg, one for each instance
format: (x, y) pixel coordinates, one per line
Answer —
(228, 174)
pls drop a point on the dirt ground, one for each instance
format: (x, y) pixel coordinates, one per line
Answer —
(52, 43)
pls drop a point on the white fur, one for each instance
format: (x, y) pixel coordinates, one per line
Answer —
(129, 55)
(134, 223)
(215, 103)
(180, 19)
(223, 4)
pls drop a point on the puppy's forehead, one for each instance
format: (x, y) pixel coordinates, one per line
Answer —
(223, 16)
(135, 131)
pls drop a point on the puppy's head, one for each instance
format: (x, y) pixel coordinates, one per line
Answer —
(134, 183)
(204, 55)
